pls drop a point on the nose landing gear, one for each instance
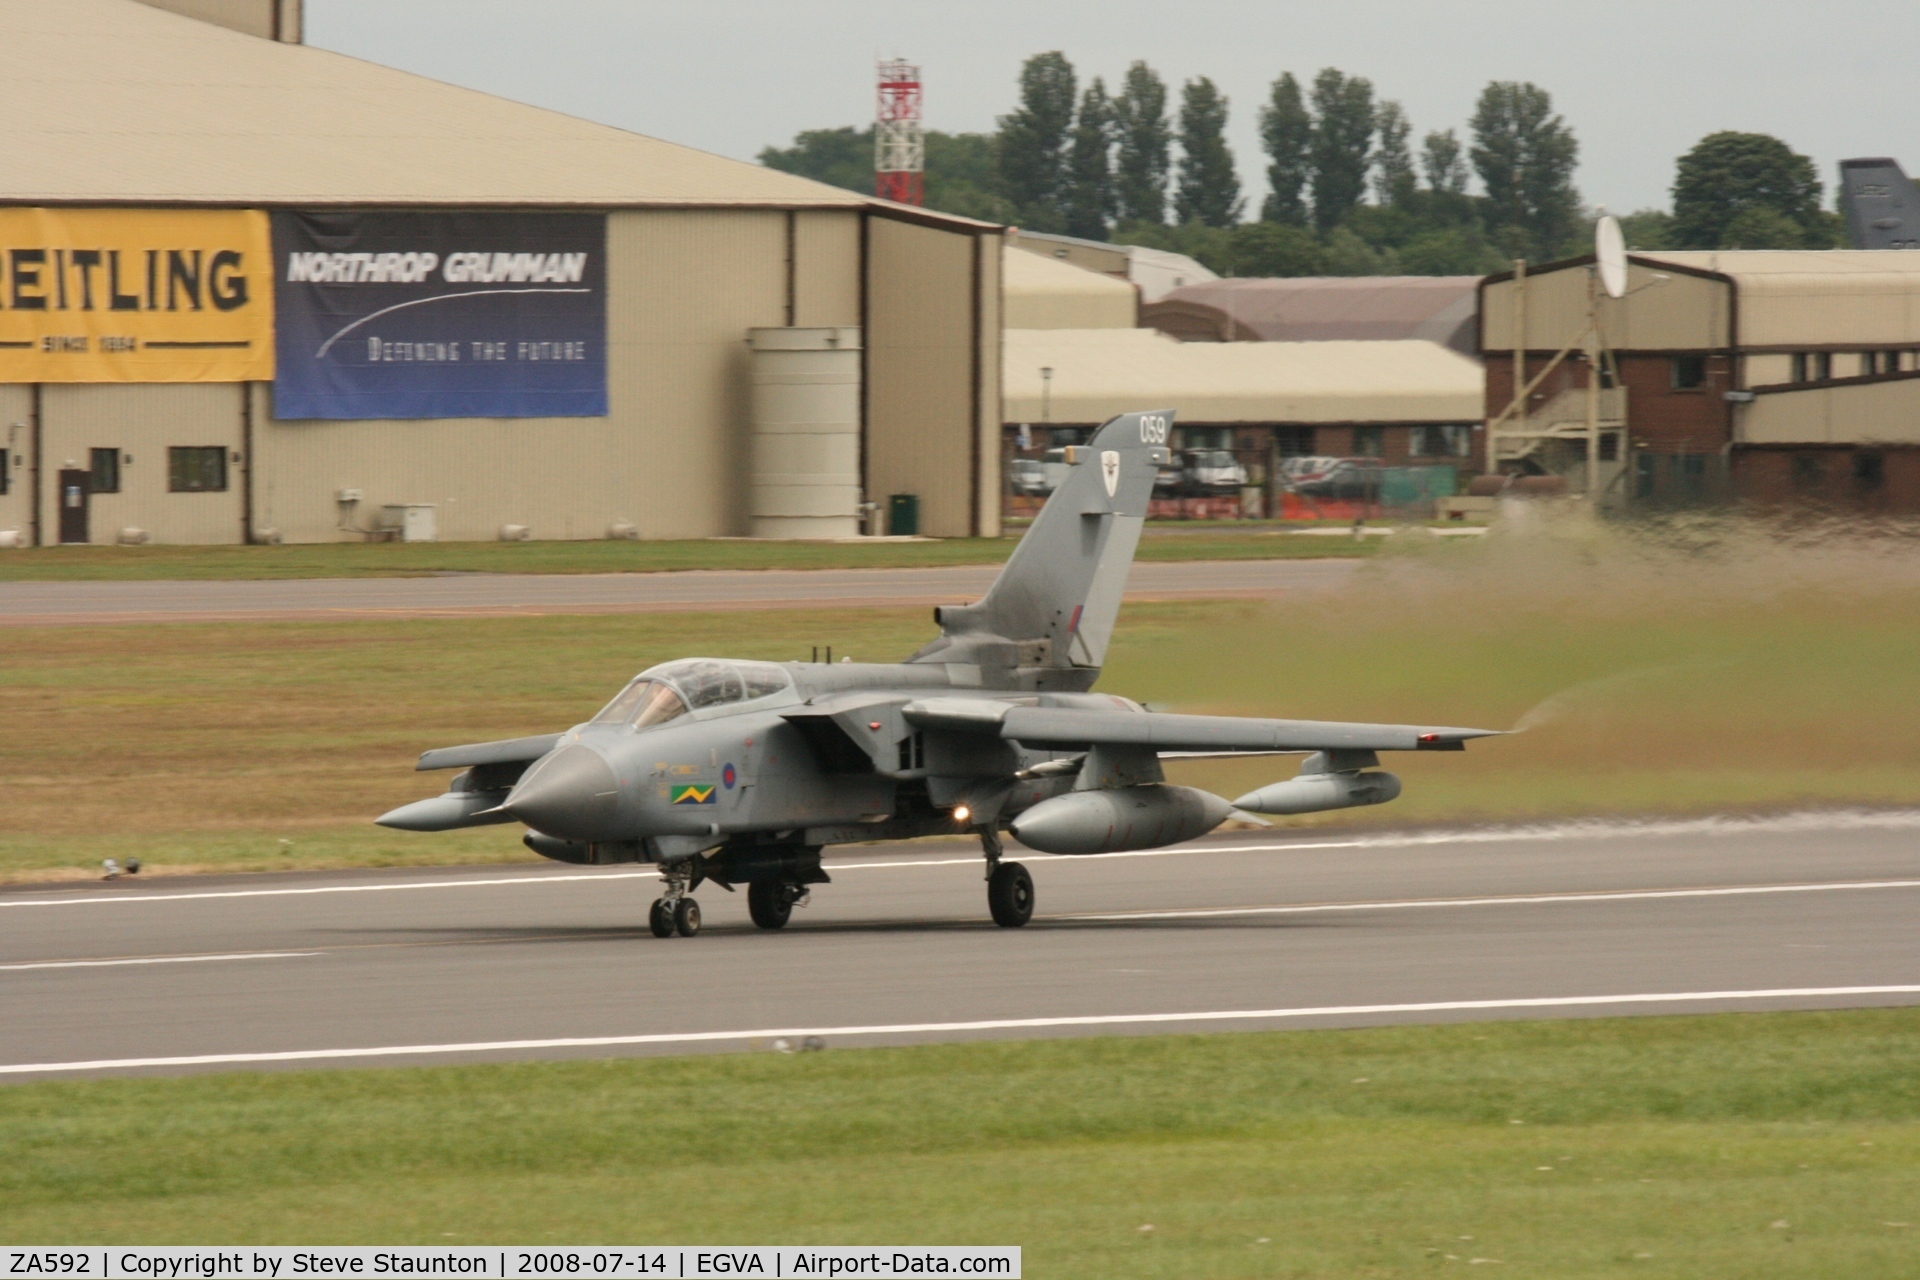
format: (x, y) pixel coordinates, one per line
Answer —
(675, 912)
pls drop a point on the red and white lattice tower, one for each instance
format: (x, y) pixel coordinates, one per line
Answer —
(899, 145)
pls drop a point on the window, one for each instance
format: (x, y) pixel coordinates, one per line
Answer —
(1609, 446)
(1369, 442)
(1869, 468)
(1643, 475)
(1809, 470)
(1448, 441)
(6, 472)
(1194, 438)
(1812, 366)
(1689, 372)
(197, 469)
(105, 466)
(1293, 442)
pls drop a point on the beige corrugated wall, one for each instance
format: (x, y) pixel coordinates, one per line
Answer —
(992, 251)
(683, 289)
(1679, 313)
(252, 17)
(1809, 309)
(16, 436)
(922, 429)
(143, 420)
(1865, 413)
(826, 269)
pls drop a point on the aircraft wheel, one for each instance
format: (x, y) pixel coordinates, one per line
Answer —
(770, 903)
(660, 919)
(686, 917)
(1010, 895)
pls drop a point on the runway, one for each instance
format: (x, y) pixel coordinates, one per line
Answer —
(503, 594)
(1235, 932)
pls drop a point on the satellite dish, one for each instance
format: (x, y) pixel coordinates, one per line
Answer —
(1610, 252)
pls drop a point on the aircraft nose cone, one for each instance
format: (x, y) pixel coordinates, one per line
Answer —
(571, 794)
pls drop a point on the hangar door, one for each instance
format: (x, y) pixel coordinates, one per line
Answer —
(933, 373)
(165, 457)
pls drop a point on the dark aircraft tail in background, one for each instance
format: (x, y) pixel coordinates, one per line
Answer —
(1881, 205)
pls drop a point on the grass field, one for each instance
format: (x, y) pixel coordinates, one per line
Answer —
(400, 559)
(1779, 1145)
(1662, 681)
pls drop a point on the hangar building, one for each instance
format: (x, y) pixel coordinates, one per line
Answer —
(1154, 272)
(163, 167)
(1770, 376)
(1321, 309)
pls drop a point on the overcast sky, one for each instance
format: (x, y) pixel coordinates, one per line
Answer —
(1638, 81)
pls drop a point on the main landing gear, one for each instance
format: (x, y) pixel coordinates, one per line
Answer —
(675, 912)
(1009, 887)
(771, 901)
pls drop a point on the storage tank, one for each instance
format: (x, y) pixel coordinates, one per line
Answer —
(805, 480)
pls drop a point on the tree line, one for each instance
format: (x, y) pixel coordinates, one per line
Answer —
(1348, 191)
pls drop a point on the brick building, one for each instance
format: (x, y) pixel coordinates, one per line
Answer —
(1409, 404)
(1769, 376)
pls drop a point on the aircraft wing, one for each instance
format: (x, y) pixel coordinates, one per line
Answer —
(510, 751)
(1077, 728)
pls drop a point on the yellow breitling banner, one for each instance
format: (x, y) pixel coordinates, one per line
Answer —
(135, 295)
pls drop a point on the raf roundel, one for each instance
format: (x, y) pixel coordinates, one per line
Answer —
(728, 777)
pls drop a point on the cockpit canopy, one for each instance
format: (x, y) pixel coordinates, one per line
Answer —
(672, 689)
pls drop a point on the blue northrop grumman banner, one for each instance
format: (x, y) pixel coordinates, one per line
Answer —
(440, 315)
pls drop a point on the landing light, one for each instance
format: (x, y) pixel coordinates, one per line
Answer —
(961, 813)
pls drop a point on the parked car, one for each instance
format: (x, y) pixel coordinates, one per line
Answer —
(1167, 479)
(1038, 477)
(1212, 473)
(1347, 478)
(1294, 470)
(1028, 477)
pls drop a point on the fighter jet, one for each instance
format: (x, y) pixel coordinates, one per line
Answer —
(741, 773)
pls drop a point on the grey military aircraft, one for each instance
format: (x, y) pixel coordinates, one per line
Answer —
(742, 772)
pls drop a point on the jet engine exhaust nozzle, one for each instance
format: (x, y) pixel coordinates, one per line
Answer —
(571, 794)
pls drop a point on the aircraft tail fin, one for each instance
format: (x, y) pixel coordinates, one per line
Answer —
(1881, 205)
(1059, 593)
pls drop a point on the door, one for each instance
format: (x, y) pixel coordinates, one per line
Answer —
(75, 488)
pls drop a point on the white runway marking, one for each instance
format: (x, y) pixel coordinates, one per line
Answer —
(107, 899)
(1622, 895)
(1849, 820)
(995, 1024)
(108, 964)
